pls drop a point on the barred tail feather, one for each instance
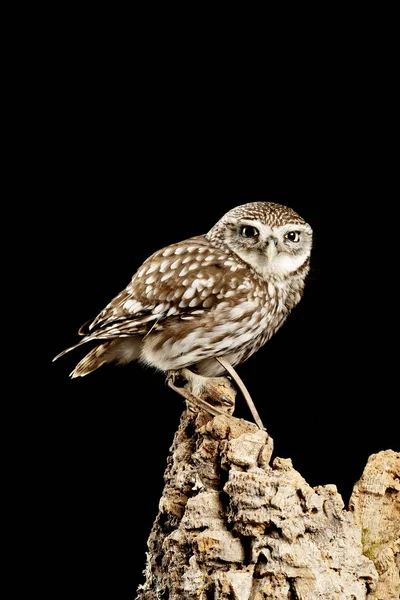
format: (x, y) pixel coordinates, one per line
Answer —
(93, 360)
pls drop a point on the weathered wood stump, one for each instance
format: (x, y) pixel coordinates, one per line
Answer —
(233, 526)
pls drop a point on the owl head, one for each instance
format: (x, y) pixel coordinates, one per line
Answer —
(273, 239)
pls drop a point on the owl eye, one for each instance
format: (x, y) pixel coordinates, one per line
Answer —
(249, 232)
(293, 236)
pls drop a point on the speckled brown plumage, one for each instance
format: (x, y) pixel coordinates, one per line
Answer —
(220, 294)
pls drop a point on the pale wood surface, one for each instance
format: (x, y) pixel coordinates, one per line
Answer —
(232, 525)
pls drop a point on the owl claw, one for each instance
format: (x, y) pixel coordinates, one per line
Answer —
(196, 404)
(215, 395)
(226, 400)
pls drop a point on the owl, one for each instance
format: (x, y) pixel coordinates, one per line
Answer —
(206, 304)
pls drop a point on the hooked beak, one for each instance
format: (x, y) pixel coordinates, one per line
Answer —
(271, 249)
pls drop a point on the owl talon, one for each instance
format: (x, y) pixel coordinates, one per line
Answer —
(216, 395)
(218, 389)
(226, 400)
(196, 403)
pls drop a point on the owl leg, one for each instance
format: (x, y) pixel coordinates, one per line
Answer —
(194, 400)
(228, 367)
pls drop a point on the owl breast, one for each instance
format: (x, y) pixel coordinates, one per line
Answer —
(279, 299)
(233, 330)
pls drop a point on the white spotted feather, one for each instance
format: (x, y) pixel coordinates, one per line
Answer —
(223, 294)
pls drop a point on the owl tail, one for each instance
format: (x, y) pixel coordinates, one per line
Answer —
(93, 360)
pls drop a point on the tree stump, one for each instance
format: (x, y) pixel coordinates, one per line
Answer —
(233, 526)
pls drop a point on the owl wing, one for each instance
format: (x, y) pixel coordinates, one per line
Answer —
(184, 281)
(178, 281)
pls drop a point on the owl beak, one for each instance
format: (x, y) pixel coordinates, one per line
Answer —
(271, 249)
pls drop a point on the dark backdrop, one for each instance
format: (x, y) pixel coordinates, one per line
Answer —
(111, 431)
(135, 155)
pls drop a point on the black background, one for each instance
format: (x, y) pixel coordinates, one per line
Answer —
(138, 153)
(111, 431)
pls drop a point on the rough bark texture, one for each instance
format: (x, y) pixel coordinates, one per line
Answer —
(375, 502)
(233, 526)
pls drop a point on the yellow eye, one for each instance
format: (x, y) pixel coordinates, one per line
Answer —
(293, 236)
(249, 232)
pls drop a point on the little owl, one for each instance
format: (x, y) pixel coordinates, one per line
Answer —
(206, 304)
